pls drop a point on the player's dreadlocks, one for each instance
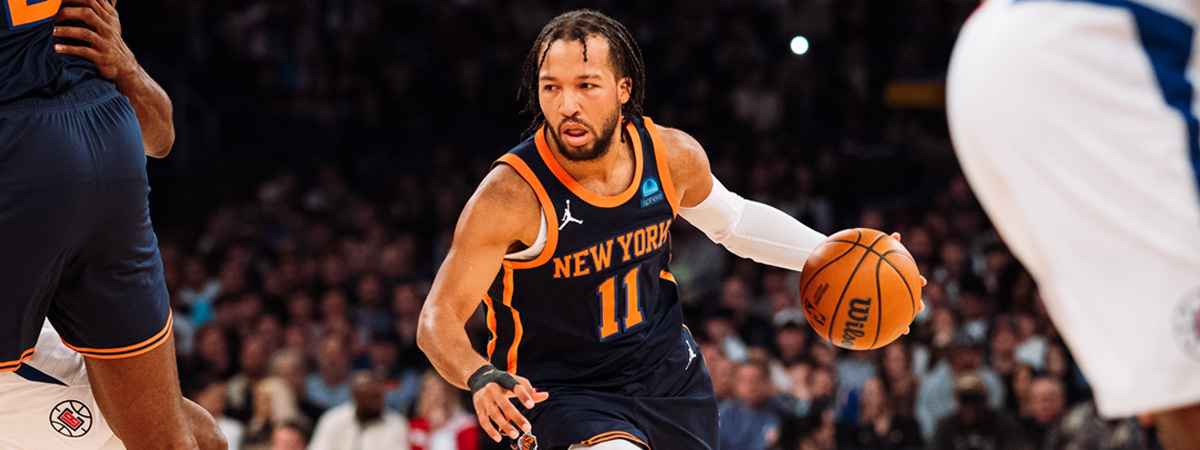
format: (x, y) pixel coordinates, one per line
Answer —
(624, 55)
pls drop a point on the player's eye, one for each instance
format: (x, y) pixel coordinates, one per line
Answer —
(549, 88)
(587, 86)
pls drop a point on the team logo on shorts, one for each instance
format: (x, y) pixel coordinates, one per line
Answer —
(526, 442)
(71, 418)
(1185, 323)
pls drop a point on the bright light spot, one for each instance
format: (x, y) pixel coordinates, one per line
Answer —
(799, 45)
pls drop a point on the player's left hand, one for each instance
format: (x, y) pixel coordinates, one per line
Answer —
(107, 48)
(921, 305)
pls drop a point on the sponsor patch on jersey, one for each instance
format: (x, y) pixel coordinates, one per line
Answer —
(1185, 323)
(71, 418)
(651, 192)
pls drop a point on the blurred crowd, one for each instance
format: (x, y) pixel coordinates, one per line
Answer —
(326, 147)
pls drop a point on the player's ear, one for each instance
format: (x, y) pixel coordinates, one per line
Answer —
(624, 89)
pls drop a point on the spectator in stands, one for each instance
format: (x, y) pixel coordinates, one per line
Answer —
(329, 386)
(748, 420)
(364, 423)
(878, 427)
(441, 423)
(898, 378)
(289, 366)
(1083, 428)
(936, 397)
(1045, 407)
(290, 436)
(973, 424)
(274, 405)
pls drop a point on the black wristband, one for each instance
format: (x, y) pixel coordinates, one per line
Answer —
(488, 374)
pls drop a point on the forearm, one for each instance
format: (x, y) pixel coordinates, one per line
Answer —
(753, 230)
(153, 108)
(449, 349)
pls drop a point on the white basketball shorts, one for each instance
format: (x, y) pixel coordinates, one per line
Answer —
(1075, 126)
(48, 402)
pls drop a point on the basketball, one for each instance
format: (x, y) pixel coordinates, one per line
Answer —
(860, 289)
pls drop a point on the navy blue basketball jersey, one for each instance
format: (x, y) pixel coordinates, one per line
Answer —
(29, 65)
(598, 308)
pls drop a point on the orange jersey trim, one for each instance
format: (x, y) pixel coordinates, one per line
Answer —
(667, 276)
(611, 435)
(491, 324)
(9, 366)
(548, 212)
(664, 168)
(518, 329)
(602, 201)
(130, 350)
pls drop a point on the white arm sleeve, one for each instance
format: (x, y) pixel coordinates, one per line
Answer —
(753, 230)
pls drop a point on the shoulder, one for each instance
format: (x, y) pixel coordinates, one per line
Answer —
(688, 164)
(503, 184)
(506, 202)
(684, 153)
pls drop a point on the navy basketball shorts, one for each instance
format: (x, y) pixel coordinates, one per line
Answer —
(677, 412)
(76, 245)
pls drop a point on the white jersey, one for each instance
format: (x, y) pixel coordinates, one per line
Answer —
(48, 402)
(1075, 124)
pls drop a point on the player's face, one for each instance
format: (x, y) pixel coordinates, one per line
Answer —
(580, 99)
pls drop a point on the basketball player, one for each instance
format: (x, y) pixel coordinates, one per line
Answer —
(567, 242)
(76, 244)
(1074, 123)
(48, 404)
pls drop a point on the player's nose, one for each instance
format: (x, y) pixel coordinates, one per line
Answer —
(569, 107)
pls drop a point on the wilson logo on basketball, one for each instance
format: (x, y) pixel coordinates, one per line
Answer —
(860, 309)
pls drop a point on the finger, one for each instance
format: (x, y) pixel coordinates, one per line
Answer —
(896, 235)
(87, 53)
(539, 397)
(907, 329)
(921, 306)
(513, 415)
(79, 33)
(923, 280)
(485, 423)
(87, 15)
(501, 416)
(524, 393)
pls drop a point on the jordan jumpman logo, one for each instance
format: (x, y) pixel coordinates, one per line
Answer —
(567, 217)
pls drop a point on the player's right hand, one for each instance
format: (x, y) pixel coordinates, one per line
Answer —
(496, 412)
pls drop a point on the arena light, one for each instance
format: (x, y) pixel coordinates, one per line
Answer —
(799, 45)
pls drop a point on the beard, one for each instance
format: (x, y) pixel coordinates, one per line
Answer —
(598, 148)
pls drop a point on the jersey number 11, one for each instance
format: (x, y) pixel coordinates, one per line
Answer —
(28, 12)
(609, 325)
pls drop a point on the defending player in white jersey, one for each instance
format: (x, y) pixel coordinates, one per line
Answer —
(48, 403)
(1074, 123)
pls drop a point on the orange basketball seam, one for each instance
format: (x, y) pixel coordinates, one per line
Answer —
(846, 287)
(912, 303)
(814, 275)
(879, 301)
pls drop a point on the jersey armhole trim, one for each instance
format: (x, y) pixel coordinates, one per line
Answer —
(664, 169)
(131, 350)
(547, 208)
